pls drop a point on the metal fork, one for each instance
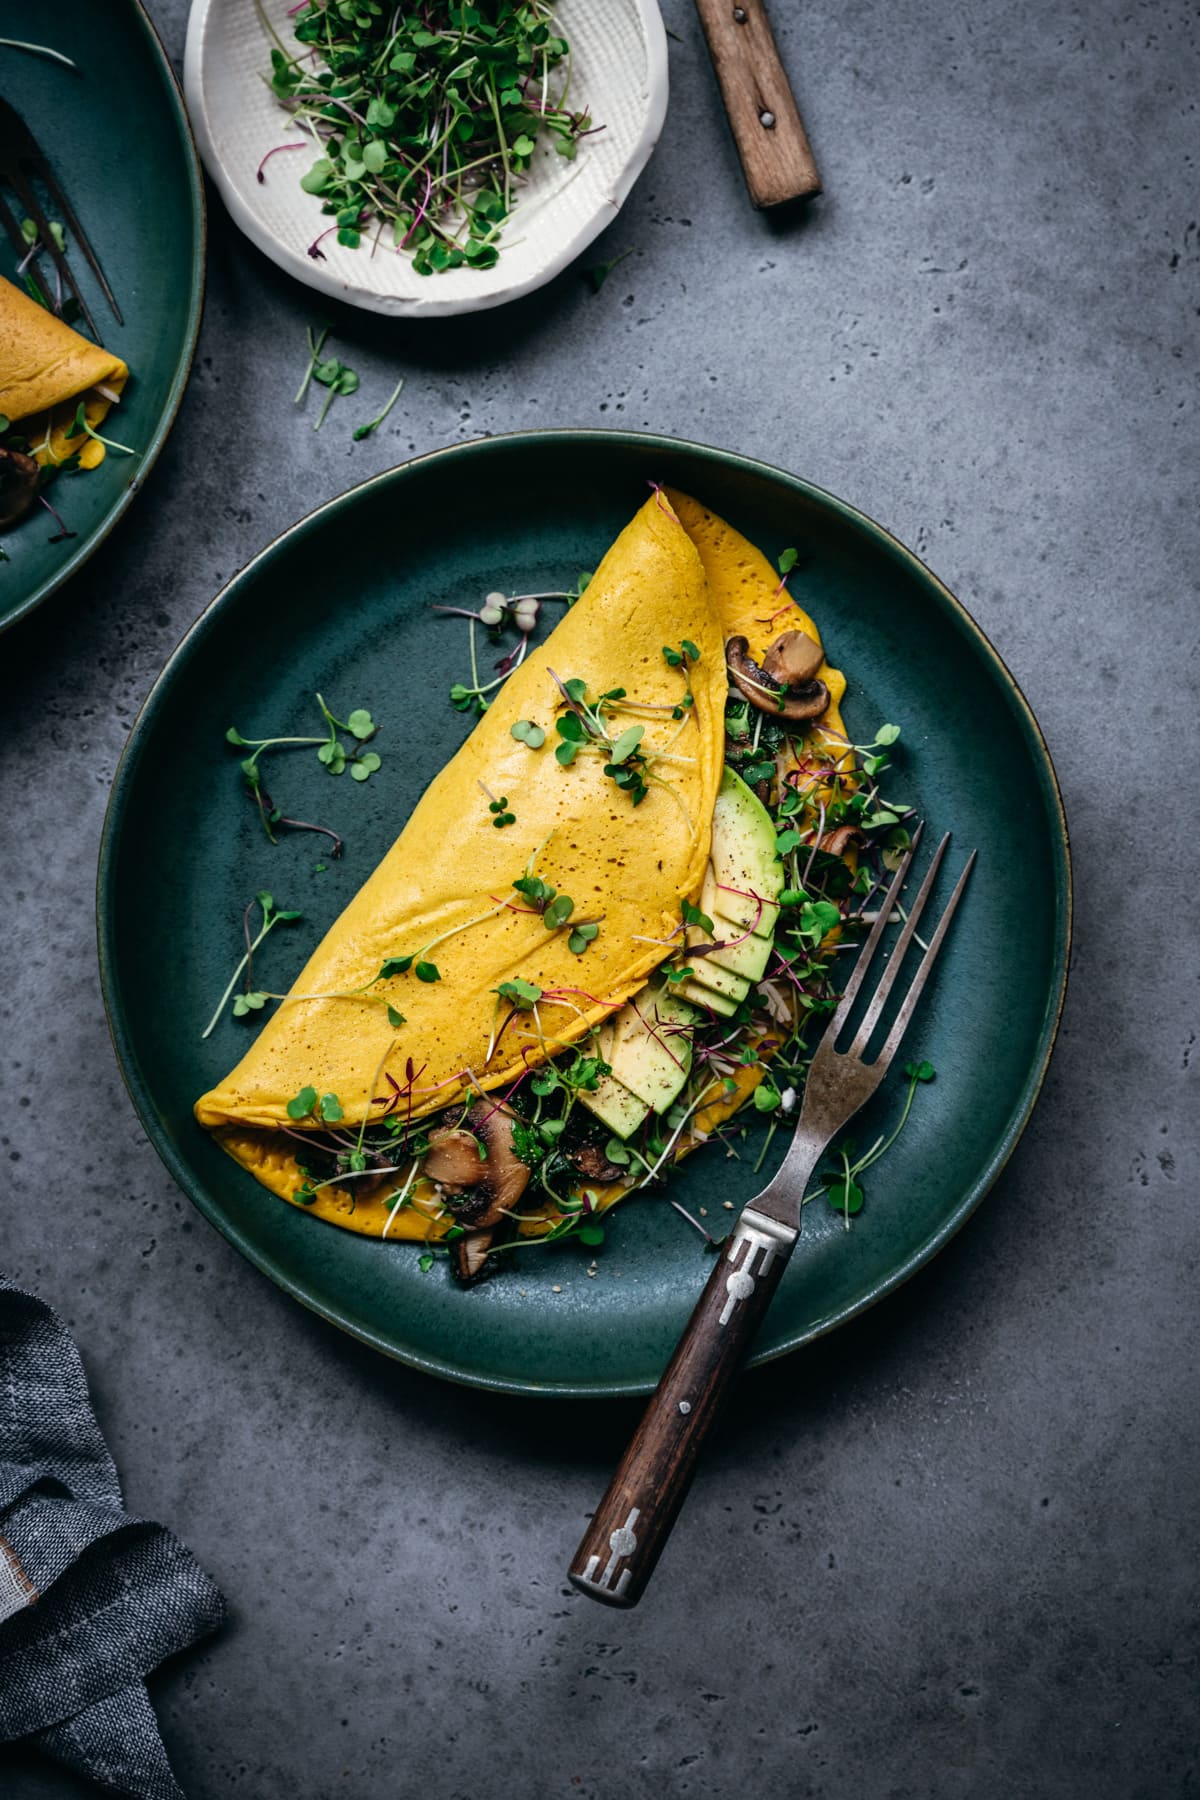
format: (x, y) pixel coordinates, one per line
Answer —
(21, 164)
(631, 1525)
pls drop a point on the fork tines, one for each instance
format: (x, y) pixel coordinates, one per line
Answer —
(21, 164)
(871, 1017)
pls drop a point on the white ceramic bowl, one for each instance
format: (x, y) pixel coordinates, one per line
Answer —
(619, 52)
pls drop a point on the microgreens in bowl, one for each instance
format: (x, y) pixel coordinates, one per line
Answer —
(426, 123)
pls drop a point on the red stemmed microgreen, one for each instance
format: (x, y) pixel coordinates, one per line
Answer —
(63, 532)
(296, 144)
(332, 753)
(787, 562)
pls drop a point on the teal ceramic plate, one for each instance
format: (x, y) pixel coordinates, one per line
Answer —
(341, 603)
(117, 137)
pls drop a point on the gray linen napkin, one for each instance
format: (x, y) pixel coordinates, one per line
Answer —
(91, 1598)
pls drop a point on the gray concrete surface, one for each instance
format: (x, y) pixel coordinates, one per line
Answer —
(951, 1552)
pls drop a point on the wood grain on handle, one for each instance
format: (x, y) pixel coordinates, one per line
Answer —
(632, 1522)
(771, 140)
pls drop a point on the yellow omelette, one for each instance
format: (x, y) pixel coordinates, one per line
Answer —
(444, 890)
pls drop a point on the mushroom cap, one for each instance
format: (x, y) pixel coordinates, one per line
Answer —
(767, 695)
(838, 841)
(793, 660)
(480, 1189)
(593, 1164)
(453, 1159)
(18, 485)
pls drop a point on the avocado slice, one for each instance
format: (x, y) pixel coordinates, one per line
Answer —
(613, 1103)
(716, 980)
(645, 1047)
(747, 956)
(743, 860)
(703, 996)
(648, 1073)
(732, 915)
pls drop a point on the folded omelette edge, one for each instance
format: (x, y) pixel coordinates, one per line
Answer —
(46, 369)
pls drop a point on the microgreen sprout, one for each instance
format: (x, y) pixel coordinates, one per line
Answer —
(692, 915)
(31, 235)
(841, 1185)
(301, 143)
(418, 960)
(372, 425)
(499, 810)
(625, 745)
(627, 766)
(335, 378)
(556, 912)
(332, 753)
(573, 734)
(80, 427)
(596, 274)
(251, 1000)
(315, 346)
(307, 1105)
(845, 1194)
(522, 994)
(787, 562)
(817, 919)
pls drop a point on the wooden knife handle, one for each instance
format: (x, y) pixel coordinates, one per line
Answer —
(777, 158)
(631, 1524)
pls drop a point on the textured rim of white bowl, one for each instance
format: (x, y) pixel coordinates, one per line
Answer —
(313, 274)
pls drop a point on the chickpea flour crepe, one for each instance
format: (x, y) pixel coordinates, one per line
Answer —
(46, 369)
(591, 991)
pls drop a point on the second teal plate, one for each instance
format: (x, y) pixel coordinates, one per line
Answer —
(127, 164)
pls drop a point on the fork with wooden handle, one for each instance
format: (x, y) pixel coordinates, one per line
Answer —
(21, 165)
(630, 1526)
